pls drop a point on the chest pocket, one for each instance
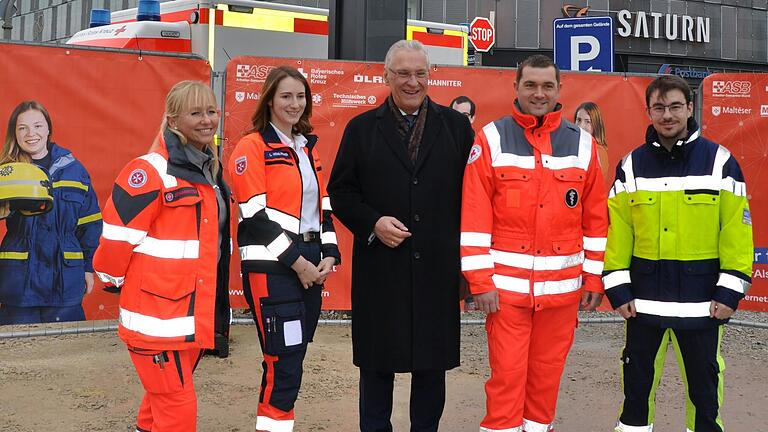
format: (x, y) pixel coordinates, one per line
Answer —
(569, 184)
(699, 223)
(513, 184)
(278, 157)
(182, 196)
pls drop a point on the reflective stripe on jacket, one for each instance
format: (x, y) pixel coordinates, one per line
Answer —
(681, 232)
(534, 217)
(267, 185)
(43, 259)
(160, 242)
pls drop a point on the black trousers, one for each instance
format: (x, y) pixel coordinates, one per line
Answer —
(701, 367)
(426, 407)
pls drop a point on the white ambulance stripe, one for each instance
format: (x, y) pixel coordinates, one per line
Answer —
(616, 278)
(556, 163)
(529, 262)
(271, 425)
(253, 206)
(672, 309)
(256, 253)
(509, 159)
(509, 283)
(172, 249)
(595, 244)
(156, 327)
(279, 245)
(326, 204)
(735, 187)
(114, 280)
(161, 166)
(119, 233)
(475, 239)
(286, 221)
(532, 426)
(328, 237)
(494, 140)
(734, 283)
(514, 429)
(593, 267)
(556, 287)
(621, 427)
(476, 262)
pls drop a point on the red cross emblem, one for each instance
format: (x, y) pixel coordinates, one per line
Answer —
(120, 30)
(137, 178)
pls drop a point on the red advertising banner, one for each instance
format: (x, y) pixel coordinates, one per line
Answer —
(734, 113)
(105, 108)
(342, 90)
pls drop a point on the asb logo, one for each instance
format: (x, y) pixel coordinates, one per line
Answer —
(716, 110)
(258, 72)
(368, 79)
(763, 110)
(731, 88)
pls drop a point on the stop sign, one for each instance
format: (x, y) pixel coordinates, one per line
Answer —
(482, 34)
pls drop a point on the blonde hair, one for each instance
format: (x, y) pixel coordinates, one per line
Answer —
(598, 127)
(181, 97)
(12, 152)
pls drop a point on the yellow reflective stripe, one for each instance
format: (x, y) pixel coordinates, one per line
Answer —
(86, 219)
(411, 28)
(14, 255)
(73, 255)
(70, 183)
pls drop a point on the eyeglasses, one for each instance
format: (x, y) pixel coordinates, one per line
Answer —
(658, 110)
(405, 75)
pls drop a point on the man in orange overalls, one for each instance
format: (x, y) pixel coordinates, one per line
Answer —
(533, 228)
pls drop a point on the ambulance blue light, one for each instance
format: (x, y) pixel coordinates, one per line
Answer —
(100, 17)
(149, 10)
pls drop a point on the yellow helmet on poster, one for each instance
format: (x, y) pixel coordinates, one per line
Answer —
(27, 187)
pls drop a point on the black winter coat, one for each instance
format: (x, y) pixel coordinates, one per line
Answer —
(405, 301)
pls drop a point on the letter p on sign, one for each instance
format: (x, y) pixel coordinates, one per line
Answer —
(579, 54)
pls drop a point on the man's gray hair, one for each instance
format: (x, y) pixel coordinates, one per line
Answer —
(401, 45)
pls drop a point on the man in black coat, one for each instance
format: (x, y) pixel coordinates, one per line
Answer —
(396, 184)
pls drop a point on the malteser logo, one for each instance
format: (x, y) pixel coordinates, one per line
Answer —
(257, 72)
(715, 110)
(239, 96)
(731, 88)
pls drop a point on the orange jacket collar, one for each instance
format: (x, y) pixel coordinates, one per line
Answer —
(550, 121)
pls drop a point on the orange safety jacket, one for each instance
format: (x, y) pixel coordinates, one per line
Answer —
(160, 242)
(534, 215)
(268, 188)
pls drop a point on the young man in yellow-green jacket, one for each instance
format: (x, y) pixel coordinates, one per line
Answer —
(678, 259)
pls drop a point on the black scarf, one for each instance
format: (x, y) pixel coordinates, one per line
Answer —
(403, 128)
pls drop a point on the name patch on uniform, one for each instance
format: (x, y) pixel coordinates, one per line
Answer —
(474, 153)
(746, 218)
(180, 193)
(241, 164)
(276, 154)
(137, 178)
(572, 198)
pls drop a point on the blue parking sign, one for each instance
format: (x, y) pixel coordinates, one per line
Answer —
(584, 44)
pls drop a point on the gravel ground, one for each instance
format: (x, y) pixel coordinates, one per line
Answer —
(86, 382)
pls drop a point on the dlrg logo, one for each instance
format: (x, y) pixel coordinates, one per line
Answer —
(731, 87)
